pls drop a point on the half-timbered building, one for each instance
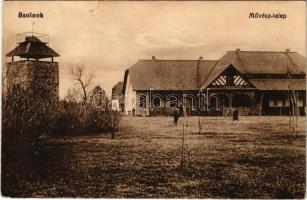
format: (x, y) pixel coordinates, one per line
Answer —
(254, 82)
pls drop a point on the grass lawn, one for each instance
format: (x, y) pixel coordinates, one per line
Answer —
(256, 157)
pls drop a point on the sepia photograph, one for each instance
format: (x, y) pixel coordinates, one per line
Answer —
(153, 99)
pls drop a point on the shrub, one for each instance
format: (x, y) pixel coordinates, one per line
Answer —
(25, 123)
(79, 118)
(28, 121)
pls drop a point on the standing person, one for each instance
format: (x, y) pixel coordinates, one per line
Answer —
(235, 115)
(176, 115)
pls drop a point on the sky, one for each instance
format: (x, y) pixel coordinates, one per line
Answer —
(108, 37)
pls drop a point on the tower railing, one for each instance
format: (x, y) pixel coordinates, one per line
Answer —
(41, 36)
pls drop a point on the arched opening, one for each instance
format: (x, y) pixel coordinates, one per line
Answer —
(241, 100)
(214, 102)
(172, 101)
(156, 101)
(224, 101)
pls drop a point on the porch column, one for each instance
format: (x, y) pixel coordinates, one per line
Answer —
(253, 103)
(230, 96)
(163, 104)
(259, 104)
(228, 111)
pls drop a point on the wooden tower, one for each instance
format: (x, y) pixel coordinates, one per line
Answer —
(34, 71)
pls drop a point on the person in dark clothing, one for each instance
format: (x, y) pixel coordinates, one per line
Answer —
(176, 116)
(235, 115)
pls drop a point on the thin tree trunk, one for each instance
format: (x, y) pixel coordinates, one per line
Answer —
(84, 91)
(182, 146)
(260, 107)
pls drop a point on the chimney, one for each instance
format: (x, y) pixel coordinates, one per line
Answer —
(153, 57)
(287, 50)
(198, 72)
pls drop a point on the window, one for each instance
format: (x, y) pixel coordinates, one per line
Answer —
(156, 101)
(142, 101)
(172, 101)
(275, 101)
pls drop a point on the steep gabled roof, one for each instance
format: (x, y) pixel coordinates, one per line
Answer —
(32, 47)
(182, 74)
(117, 89)
(168, 74)
(220, 70)
(214, 74)
(258, 62)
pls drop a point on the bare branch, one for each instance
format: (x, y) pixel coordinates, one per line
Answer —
(82, 79)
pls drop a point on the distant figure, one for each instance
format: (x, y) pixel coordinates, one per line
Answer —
(133, 112)
(176, 115)
(235, 115)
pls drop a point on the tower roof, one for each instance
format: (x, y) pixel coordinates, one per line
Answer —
(33, 47)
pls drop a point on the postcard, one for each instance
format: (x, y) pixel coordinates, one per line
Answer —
(154, 99)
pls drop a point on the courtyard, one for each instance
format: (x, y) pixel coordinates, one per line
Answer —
(256, 157)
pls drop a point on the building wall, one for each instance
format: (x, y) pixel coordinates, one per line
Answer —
(256, 105)
(38, 78)
(230, 96)
(115, 104)
(130, 97)
(282, 102)
(146, 106)
(142, 103)
(279, 103)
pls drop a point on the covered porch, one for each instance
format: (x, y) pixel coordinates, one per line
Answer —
(226, 100)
